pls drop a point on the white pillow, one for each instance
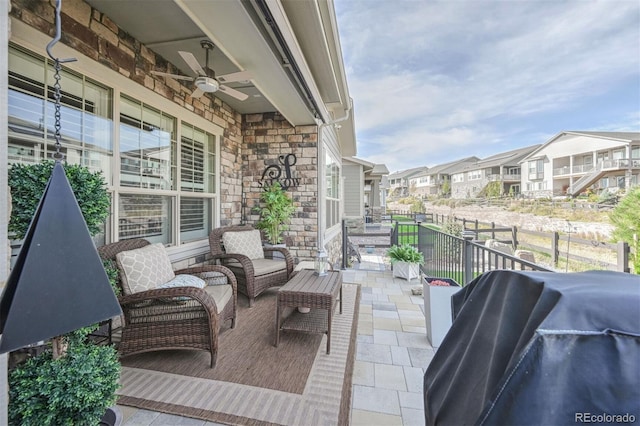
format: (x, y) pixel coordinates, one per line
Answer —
(244, 242)
(144, 268)
(184, 280)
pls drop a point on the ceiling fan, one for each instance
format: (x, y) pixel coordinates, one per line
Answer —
(206, 81)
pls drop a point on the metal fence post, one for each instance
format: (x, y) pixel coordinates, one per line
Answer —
(467, 259)
(555, 247)
(345, 244)
(623, 257)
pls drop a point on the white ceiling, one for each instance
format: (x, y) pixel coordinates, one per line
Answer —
(315, 88)
(166, 27)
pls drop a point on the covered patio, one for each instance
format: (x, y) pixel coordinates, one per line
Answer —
(392, 354)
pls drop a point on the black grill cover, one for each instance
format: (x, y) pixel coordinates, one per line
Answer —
(539, 348)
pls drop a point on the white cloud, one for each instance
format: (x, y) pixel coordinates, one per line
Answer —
(431, 77)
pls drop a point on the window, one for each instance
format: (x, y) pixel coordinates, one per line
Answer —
(618, 154)
(474, 175)
(197, 175)
(536, 169)
(166, 189)
(332, 176)
(86, 108)
(458, 177)
(147, 146)
(145, 216)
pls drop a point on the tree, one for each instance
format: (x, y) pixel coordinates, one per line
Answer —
(626, 220)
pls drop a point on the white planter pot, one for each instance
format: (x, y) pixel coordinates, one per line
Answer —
(437, 309)
(276, 254)
(406, 270)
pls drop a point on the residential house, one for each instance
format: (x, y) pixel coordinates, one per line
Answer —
(399, 181)
(184, 153)
(363, 192)
(573, 162)
(502, 170)
(172, 148)
(436, 180)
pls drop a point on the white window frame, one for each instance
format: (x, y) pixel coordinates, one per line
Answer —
(30, 41)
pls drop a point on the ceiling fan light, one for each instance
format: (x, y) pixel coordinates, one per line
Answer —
(207, 85)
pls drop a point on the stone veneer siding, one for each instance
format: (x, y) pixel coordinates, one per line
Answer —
(267, 137)
(249, 142)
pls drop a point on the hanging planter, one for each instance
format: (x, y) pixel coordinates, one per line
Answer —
(56, 290)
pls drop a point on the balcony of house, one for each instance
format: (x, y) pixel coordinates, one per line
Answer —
(505, 177)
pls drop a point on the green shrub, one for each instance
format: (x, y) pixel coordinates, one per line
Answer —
(452, 228)
(28, 182)
(626, 220)
(275, 213)
(72, 390)
(405, 253)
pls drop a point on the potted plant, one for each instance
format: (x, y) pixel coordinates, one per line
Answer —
(437, 294)
(275, 213)
(73, 381)
(406, 261)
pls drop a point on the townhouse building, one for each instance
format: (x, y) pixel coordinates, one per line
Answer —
(501, 170)
(364, 192)
(399, 182)
(575, 162)
(436, 181)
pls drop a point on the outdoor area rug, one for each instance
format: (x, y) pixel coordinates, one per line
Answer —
(253, 383)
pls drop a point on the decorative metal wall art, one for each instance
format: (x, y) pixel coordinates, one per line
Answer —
(274, 173)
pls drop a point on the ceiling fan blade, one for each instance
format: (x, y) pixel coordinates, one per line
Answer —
(235, 76)
(174, 76)
(192, 62)
(197, 93)
(233, 92)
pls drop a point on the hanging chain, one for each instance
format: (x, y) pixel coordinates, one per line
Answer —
(58, 155)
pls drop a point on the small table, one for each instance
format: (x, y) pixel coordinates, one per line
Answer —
(308, 290)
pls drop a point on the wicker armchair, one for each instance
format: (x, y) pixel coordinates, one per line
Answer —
(254, 275)
(174, 318)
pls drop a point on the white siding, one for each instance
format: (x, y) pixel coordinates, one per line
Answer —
(353, 190)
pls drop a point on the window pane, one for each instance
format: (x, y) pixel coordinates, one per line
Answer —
(147, 146)
(197, 160)
(195, 218)
(85, 115)
(145, 216)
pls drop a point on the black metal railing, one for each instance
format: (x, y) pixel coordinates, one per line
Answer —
(462, 259)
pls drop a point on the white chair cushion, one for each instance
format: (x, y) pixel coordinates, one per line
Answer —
(244, 242)
(221, 294)
(144, 268)
(267, 266)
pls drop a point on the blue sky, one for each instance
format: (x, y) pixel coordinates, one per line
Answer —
(435, 81)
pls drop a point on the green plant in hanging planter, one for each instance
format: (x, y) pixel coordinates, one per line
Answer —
(275, 213)
(75, 389)
(28, 182)
(73, 381)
